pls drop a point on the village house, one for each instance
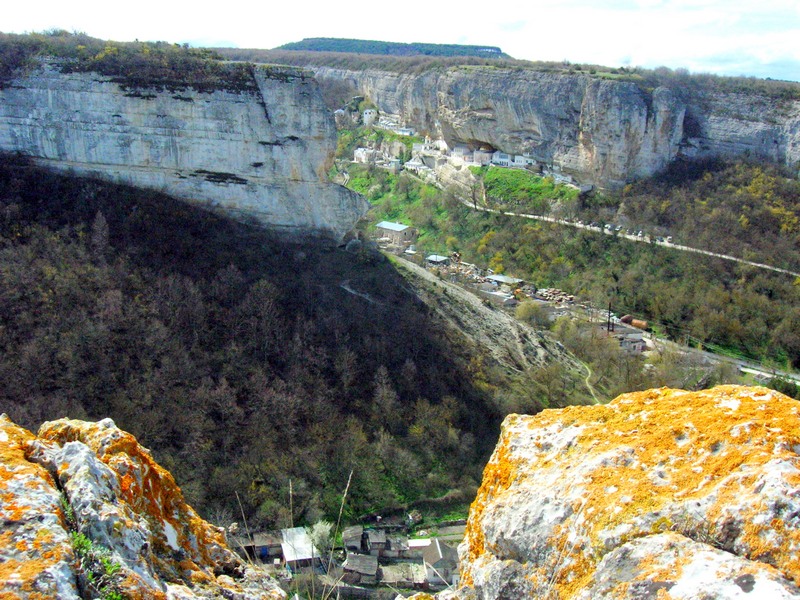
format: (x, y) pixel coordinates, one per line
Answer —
(512, 282)
(353, 541)
(462, 152)
(396, 233)
(369, 116)
(437, 260)
(441, 563)
(482, 156)
(403, 575)
(523, 160)
(360, 569)
(264, 546)
(501, 159)
(298, 550)
(364, 155)
(632, 342)
(376, 541)
(416, 164)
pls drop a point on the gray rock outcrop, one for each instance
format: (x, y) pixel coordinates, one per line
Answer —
(86, 512)
(259, 154)
(602, 132)
(661, 493)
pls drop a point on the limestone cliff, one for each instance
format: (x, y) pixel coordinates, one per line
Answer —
(659, 494)
(84, 506)
(603, 132)
(260, 153)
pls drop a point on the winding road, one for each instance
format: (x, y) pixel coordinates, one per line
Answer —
(633, 238)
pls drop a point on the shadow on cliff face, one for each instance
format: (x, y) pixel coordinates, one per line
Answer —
(241, 360)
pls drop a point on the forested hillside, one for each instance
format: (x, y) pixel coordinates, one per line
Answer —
(246, 365)
(748, 210)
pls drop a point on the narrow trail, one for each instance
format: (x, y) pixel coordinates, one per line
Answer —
(345, 285)
(588, 382)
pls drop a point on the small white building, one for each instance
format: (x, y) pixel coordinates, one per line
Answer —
(523, 160)
(364, 155)
(501, 159)
(396, 232)
(369, 116)
(441, 563)
(298, 550)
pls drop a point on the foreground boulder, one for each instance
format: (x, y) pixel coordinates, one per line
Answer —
(86, 511)
(659, 494)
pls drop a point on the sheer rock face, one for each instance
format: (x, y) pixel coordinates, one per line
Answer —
(663, 493)
(602, 132)
(120, 499)
(260, 155)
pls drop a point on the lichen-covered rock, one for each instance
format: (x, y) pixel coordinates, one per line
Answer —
(260, 154)
(121, 500)
(663, 493)
(35, 552)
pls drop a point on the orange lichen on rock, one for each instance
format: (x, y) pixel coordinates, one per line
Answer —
(720, 466)
(497, 476)
(35, 554)
(148, 489)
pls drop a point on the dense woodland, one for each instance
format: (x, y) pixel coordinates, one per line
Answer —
(240, 361)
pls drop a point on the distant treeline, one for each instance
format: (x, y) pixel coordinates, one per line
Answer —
(392, 48)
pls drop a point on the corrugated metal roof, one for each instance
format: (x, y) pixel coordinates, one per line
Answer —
(392, 226)
(437, 258)
(361, 563)
(296, 545)
(505, 279)
(439, 551)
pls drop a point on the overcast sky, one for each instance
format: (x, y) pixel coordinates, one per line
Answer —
(729, 37)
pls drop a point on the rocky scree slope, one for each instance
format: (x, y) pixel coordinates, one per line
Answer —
(658, 494)
(602, 132)
(513, 345)
(96, 480)
(260, 153)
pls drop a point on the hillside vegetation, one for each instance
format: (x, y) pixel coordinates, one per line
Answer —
(246, 365)
(134, 65)
(747, 210)
(253, 367)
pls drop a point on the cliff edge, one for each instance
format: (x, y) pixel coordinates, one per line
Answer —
(659, 494)
(604, 132)
(260, 152)
(85, 511)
